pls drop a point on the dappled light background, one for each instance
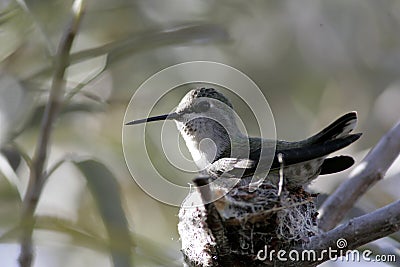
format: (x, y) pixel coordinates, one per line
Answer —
(313, 60)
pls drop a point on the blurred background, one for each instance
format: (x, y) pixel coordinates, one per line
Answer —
(313, 60)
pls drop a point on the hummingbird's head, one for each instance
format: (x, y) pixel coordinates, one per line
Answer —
(207, 123)
(203, 112)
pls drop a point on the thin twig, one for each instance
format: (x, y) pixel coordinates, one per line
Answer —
(368, 172)
(37, 177)
(213, 218)
(280, 184)
(359, 231)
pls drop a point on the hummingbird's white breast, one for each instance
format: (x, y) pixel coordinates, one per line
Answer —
(203, 149)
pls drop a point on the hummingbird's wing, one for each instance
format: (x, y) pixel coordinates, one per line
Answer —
(314, 151)
(297, 154)
(302, 161)
(332, 138)
(230, 167)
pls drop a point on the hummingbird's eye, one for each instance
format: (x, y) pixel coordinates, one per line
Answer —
(202, 106)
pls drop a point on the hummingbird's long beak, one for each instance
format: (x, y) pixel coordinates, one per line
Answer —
(170, 116)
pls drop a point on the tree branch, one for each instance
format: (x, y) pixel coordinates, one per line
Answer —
(360, 231)
(37, 174)
(364, 176)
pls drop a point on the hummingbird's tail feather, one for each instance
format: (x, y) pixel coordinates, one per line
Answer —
(336, 164)
(337, 129)
(313, 150)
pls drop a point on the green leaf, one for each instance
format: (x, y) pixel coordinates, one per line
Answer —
(199, 33)
(105, 190)
(187, 33)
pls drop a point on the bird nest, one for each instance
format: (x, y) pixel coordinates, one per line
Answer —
(247, 222)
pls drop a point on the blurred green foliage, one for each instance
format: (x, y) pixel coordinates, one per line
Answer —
(314, 60)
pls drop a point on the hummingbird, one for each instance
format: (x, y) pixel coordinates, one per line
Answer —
(206, 120)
